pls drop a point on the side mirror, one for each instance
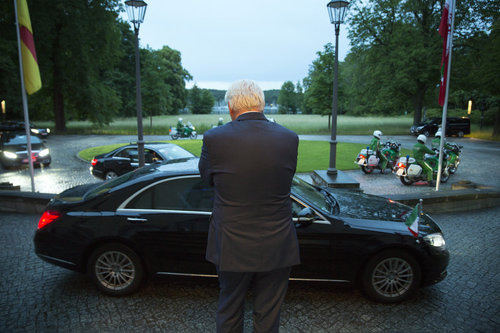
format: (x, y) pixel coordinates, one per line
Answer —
(304, 218)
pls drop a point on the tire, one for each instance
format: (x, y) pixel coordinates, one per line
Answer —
(193, 136)
(405, 180)
(367, 169)
(116, 270)
(174, 136)
(445, 175)
(391, 276)
(45, 165)
(110, 174)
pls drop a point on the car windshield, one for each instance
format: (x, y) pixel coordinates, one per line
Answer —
(20, 139)
(322, 199)
(175, 153)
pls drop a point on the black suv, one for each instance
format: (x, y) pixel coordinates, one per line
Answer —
(454, 126)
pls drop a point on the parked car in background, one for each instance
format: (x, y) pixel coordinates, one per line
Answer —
(14, 150)
(155, 220)
(454, 126)
(126, 158)
(18, 126)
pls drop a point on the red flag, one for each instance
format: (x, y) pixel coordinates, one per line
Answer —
(32, 81)
(445, 32)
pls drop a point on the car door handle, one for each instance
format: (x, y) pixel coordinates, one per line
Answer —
(136, 220)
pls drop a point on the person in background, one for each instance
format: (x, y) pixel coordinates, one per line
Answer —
(376, 146)
(252, 241)
(419, 151)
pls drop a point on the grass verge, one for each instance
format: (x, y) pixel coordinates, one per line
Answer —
(312, 155)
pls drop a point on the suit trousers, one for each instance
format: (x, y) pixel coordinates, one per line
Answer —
(268, 293)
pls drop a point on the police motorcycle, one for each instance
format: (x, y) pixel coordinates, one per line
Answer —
(453, 156)
(409, 171)
(368, 161)
(183, 131)
(451, 152)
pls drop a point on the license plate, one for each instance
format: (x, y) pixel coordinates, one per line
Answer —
(361, 161)
(400, 171)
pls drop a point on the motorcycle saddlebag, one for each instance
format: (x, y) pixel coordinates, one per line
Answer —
(414, 170)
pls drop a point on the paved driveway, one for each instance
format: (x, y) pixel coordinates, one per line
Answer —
(480, 164)
(39, 297)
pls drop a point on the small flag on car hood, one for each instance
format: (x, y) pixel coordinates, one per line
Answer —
(412, 221)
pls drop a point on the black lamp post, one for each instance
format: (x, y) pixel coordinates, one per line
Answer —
(336, 10)
(136, 9)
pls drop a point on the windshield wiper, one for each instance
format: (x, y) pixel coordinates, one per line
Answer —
(332, 201)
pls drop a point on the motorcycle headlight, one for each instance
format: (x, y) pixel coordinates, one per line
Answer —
(36, 131)
(10, 155)
(436, 240)
(44, 152)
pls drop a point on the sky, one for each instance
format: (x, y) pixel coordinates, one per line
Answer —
(222, 41)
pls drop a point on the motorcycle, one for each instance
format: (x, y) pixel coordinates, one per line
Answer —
(454, 156)
(368, 161)
(409, 171)
(188, 131)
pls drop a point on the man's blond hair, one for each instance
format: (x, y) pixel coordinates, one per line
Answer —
(245, 95)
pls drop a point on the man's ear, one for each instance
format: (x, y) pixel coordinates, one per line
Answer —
(231, 112)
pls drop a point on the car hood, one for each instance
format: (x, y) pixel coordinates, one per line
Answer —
(366, 211)
(23, 147)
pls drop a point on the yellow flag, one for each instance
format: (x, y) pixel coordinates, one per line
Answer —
(32, 80)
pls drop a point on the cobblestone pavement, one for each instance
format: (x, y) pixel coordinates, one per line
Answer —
(39, 297)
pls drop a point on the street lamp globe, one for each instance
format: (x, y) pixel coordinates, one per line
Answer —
(136, 9)
(337, 10)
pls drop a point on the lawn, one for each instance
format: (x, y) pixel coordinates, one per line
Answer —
(313, 155)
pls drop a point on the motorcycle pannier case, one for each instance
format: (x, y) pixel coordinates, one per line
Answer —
(414, 170)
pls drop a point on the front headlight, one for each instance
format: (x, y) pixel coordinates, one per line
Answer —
(36, 131)
(10, 155)
(44, 152)
(436, 240)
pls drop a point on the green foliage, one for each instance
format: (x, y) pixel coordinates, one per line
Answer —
(163, 77)
(271, 96)
(287, 99)
(201, 100)
(318, 84)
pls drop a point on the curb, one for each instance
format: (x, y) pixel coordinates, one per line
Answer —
(451, 200)
(24, 202)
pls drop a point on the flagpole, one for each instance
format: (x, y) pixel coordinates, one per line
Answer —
(25, 101)
(445, 106)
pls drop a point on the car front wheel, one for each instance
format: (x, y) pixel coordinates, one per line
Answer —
(391, 276)
(115, 269)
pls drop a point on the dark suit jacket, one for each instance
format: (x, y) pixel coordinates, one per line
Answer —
(251, 162)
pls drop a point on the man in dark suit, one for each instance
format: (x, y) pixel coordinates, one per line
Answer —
(252, 240)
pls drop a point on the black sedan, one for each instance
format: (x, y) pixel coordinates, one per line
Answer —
(126, 158)
(14, 150)
(155, 221)
(19, 126)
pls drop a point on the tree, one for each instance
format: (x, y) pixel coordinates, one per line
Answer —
(287, 100)
(78, 46)
(397, 41)
(201, 100)
(163, 81)
(299, 95)
(318, 85)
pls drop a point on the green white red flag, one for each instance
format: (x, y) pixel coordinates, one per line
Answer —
(412, 221)
(445, 32)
